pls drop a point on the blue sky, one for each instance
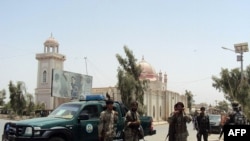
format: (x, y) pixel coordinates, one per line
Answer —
(181, 38)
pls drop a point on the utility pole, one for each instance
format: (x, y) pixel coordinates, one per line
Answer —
(86, 65)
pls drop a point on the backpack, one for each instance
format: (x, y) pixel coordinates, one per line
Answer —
(239, 118)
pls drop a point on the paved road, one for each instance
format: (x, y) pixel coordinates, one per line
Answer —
(161, 131)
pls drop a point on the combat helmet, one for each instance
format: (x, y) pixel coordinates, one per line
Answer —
(235, 104)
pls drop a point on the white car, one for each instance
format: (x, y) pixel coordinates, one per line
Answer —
(215, 123)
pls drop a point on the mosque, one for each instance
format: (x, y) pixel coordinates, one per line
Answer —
(159, 101)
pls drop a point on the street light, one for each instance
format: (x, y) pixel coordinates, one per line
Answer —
(239, 48)
(227, 49)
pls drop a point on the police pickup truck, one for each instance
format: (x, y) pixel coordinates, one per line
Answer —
(72, 121)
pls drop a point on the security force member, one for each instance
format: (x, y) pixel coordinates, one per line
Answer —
(107, 124)
(202, 125)
(179, 121)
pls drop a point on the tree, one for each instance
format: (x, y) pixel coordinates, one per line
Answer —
(2, 97)
(17, 100)
(129, 84)
(39, 106)
(222, 106)
(234, 87)
(190, 99)
(6, 107)
(29, 103)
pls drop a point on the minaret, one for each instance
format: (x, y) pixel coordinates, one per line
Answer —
(51, 45)
(165, 79)
(160, 76)
(47, 61)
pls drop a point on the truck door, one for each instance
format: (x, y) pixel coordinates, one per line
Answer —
(89, 128)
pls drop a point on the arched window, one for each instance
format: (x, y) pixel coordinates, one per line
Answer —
(44, 76)
(160, 111)
(153, 111)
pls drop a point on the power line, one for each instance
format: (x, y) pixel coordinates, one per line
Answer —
(194, 81)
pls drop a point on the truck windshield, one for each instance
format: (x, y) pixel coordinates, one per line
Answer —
(214, 117)
(66, 111)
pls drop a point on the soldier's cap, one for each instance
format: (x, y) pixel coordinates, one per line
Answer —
(202, 108)
(180, 103)
(109, 102)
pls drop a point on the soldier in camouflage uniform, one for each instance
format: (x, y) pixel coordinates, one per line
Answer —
(107, 124)
(179, 122)
(132, 123)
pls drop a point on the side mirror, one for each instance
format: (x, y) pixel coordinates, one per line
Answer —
(83, 116)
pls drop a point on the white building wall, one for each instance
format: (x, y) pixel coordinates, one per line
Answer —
(153, 100)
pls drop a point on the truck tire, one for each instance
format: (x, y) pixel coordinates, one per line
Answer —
(56, 139)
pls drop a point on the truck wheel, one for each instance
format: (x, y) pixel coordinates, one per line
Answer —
(56, 139)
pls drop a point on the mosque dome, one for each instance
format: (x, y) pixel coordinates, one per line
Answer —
(148, 72)
(51, 42)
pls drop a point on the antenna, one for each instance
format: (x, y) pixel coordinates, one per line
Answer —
(86, 65)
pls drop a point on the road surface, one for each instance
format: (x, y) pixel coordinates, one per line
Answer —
(161, 132)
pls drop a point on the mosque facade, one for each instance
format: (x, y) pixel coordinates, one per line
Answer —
(159, 101)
